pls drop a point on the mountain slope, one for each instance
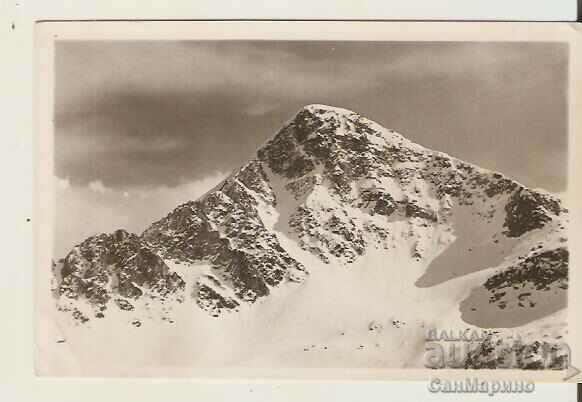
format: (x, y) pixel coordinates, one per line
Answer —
(335, 206)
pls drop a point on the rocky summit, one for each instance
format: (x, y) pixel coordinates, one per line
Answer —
(333, 189)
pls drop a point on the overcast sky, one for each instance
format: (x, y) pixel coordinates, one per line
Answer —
(142, 126)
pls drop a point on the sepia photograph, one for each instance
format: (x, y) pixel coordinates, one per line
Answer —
(331, 203)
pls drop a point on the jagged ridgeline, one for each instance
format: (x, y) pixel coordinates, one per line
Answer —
(329, 189)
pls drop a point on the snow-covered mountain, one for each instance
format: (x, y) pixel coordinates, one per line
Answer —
(337, 226)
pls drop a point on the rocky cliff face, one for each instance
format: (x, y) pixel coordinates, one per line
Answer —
(224, 229)
(333, 185)
(112, 271)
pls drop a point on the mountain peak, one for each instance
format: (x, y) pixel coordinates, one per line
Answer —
(318, 108)
(331, 187)
(332, 120)
(322, 135)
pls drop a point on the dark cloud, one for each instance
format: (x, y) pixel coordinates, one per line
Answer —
(147, 114)
(164, 138)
